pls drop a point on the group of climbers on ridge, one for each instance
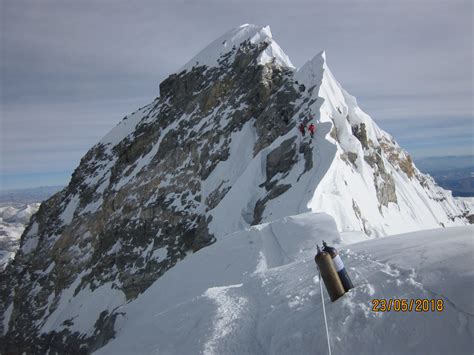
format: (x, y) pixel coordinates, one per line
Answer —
(311, 129)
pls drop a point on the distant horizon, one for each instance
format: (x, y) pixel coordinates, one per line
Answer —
(32, 188)
(62, 178)
(442, 156)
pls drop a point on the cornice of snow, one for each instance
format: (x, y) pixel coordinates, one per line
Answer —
(233, 39)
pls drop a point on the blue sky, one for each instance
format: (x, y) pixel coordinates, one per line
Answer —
(70, 70)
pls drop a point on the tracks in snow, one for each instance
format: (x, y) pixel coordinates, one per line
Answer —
(283, 294)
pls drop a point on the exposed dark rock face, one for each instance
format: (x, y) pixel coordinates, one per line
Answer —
(349, 158)
(260, 205)
(216, 196)
(407, 166)
(397, 157)
(281, 159)
(334, 134)
(307, 151)
(360, 133)
(117, 213)
(358, 213)
(386, 190)
(384, 183)
(352, 157)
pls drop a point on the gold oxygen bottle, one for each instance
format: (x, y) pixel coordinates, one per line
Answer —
(329, 275)
(339, 265)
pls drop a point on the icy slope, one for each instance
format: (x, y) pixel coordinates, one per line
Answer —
(256, 292)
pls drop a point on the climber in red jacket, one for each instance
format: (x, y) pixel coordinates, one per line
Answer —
(312, 129)
(302, 128)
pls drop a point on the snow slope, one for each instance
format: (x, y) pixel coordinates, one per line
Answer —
(347, 191)
(417, 202)
(13, 219)
(257, 292)
(467, 203)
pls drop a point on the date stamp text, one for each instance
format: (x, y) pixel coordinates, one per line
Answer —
(407, 305)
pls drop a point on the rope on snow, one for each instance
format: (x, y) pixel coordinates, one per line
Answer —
(324, 312)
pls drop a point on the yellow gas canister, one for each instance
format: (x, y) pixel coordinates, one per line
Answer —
(329, 275)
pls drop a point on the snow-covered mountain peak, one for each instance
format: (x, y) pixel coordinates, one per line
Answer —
(230, 41)
(223, 148)
(319, 59)
(322, 54)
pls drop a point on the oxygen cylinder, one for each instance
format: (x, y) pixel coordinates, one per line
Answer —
(329, 275)
(339, 265)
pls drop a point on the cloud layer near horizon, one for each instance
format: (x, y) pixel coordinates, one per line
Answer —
(71, 70)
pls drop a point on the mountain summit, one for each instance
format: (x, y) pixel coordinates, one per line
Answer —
(217, 152)
(226, 46)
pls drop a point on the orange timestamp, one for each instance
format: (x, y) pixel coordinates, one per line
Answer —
(407, 305)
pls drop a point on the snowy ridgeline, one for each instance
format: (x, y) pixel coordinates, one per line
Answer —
(13, 219)
(257, 291)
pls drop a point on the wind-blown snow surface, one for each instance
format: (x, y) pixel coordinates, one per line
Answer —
(257, 292)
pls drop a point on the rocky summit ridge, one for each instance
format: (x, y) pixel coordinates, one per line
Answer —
(218, 150)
